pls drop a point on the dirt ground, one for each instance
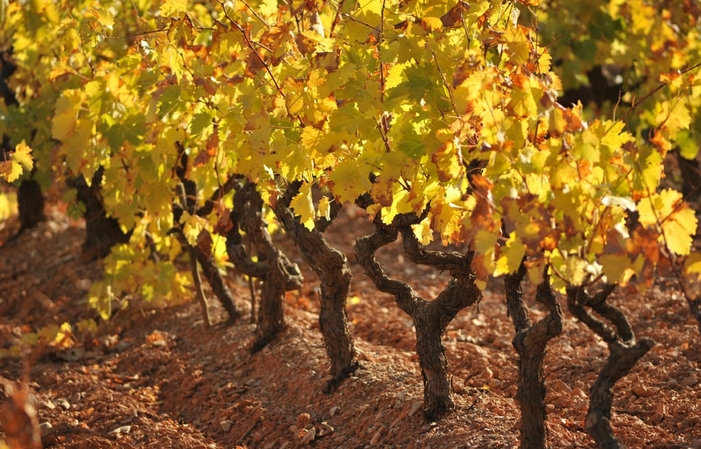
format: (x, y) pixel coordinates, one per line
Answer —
(161, 379)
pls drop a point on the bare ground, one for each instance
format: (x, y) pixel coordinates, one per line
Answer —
(159, 378)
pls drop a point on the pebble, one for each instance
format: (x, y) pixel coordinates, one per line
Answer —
(334, 410)
(63, 403)
(642, 391)
(120, 430)
(415, 407)
(689, 381)
(46, 430)
(325, 429)
(48, 404)
(309, 436)
(226, 425)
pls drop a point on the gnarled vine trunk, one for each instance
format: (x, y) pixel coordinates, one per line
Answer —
(30, 200)
(430, 317)
(273, 267)
(624, 353)
(335, 276)
(30, 203)
(188, 202)
(101, 232)
(530, 343)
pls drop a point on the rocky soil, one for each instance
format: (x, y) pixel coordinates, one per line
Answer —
(159, 378)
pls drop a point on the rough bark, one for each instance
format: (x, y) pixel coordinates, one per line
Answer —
(530, 343)
(187, 192)
(277, 272)
(691, 177)
(622, 358)
(30, 202)
(335, 276)
(216, 281)
(102, 232)
(624, 353)
(430, 317)
(189, 205)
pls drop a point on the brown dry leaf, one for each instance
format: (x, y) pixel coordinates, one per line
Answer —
(19, 418)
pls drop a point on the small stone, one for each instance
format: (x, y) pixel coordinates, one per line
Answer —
(63, 403)
(226, 425)
(334, 410)
(689, 381)
(45, 429)
(309, 436)
(415, 407)
(48, 436)
(121, 430)
(324, 429)
(48, 404)
(642, 391)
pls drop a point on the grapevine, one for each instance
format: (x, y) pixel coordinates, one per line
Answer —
(485, 125)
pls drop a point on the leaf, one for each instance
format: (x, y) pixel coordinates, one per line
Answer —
(618, 268)
(351, 182)
(518, 45)
(193, 225)
(67, 108)
(173, 8)
(20, 161)
(303, 206)
(511, 256)
(324, 208)
(673, 118)
(692, 265)
(677, 220)
(23, 157)
(432, 23)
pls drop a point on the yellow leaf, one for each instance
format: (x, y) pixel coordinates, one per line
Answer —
(67, 108)
(511, 256)
(19, 160)
(692, 265)
(192, 226)
(518, 45)
(23, 157)
(10, 170)
(615, 137)
(448, 161)
(104, 17)
(303, 206)
(618, 268)
(351, 181)
(324, 209)
(173, 8)
(677, 220)
(432, 23)
(673, 118)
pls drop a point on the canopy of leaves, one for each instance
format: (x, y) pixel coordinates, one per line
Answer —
(442, 106)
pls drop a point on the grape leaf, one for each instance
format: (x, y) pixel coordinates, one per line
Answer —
(511, 256)
(303, 206)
